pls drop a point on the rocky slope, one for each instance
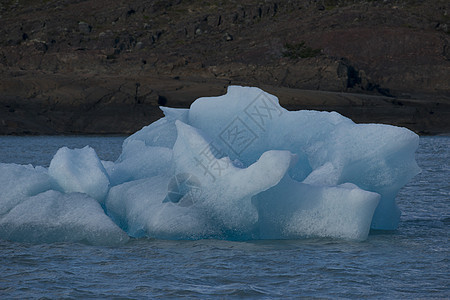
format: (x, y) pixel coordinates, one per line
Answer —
(96, 66)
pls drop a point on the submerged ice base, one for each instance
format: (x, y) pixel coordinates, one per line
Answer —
(237, 167)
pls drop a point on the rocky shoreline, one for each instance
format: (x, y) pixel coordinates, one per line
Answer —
(95, 67)
(111, 105)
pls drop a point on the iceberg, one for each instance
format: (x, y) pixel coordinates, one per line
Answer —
(238, 167)
(52, 216)
(80, 170)
(32, 210)
(18, 182)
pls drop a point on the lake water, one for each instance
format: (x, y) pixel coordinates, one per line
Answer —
(411, 262)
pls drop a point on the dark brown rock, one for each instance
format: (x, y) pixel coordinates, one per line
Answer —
(105, 67)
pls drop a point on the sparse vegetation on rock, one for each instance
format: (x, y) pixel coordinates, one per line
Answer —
(299, 50)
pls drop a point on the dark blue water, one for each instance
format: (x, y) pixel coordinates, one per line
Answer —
(411, 262)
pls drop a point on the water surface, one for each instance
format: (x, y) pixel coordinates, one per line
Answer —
(411, 262)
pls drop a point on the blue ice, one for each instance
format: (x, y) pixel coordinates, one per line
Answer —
(237, 166)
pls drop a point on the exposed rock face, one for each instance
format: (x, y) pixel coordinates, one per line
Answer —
(104, 67)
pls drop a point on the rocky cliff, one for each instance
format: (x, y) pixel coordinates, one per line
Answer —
(95, 66)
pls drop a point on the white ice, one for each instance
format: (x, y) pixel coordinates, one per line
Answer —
(237, 167)
(80, 170)
(219, 203)
(55, 217)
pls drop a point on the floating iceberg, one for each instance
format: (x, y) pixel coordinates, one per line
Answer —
(80, 170)
(31, 210)
(237, 167)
